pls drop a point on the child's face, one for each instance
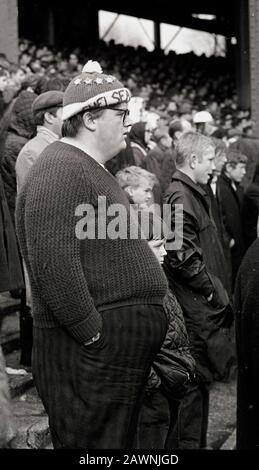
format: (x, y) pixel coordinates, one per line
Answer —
(141, 195)
(158, 248)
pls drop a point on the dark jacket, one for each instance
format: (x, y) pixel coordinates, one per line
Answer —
(174, 365)
(154, 161)
(21, 129)
(231, 202)
(194, 272)
(10, 267)
(168, 168)
(247, 339)
(216, 212)
(138, 144)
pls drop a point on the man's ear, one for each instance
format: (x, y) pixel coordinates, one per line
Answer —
(193, 160)
(228, 166)
(49, 117)
(89, 121)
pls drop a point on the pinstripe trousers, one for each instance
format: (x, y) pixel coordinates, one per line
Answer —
(93, 394)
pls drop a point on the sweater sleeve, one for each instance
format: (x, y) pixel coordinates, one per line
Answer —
(54, 249)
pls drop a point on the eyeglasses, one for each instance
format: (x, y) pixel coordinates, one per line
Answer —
(124, 112)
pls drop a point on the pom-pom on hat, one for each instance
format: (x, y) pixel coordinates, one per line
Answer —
(93, 89)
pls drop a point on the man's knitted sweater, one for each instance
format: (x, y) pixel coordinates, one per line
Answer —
(73, 279)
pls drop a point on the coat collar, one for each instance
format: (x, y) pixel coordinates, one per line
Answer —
(196, 188)
(47, 134)
(229, 182)
(180, 176)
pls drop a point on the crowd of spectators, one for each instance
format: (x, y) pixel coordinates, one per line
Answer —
(171, 85)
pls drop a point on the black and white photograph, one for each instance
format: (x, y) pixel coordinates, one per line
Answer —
(129, 231)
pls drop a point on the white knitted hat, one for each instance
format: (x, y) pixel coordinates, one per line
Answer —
(93, 89)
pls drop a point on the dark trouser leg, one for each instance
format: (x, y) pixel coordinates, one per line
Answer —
(26, 325)
(93, 394)
(191, 428)
(154, 421)
(170, 442)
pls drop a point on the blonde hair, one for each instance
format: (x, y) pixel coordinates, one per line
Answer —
(191, 143)
(132, 176)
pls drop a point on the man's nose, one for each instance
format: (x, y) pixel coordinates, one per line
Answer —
(163, 251)
(128, 121)
(213, 167)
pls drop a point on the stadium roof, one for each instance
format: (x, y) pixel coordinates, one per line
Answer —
(223, 13)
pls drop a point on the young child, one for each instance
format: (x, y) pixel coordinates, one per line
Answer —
(174, 366)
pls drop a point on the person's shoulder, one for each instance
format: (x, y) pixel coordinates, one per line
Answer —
(54, 159)
(223, 181)
(27, 150)
(175, 192)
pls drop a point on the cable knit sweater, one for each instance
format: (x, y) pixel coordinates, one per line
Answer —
(72, 279)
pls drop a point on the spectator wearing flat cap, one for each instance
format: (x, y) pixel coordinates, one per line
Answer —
(47, 110)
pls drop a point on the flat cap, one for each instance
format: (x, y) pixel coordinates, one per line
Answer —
(46, 100)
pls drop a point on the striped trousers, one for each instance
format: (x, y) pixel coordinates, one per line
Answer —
(93, 394)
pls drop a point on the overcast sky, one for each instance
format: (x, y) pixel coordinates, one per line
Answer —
(131, 31)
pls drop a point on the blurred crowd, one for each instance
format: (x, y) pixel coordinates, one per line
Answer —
(171, 85)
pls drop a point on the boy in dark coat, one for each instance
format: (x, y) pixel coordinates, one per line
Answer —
(231, 200)
(194, 272)
(213, 191)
